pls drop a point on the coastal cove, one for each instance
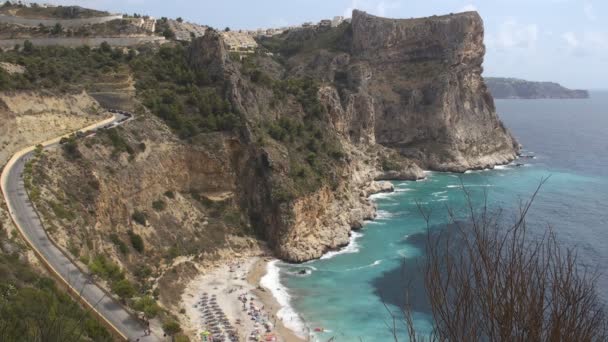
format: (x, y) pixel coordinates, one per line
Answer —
(351, 172)
(343, 292)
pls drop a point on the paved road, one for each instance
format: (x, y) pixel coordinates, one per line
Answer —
(29, 222)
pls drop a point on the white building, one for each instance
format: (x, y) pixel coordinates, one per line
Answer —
(337, 20)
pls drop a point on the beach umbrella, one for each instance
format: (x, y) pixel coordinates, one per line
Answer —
(205, 335)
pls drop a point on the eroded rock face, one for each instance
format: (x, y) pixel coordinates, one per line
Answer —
(411, 86)
(431, 102)
(394, 97)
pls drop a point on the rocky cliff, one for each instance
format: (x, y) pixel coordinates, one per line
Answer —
(512, 88)
(232, 153)
(429, 99)
(296, 138)
(378, 85)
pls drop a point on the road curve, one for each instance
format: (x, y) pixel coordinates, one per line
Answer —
(27, 221)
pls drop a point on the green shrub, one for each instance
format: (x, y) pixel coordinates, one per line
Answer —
(61, 212)
(142, 271)
(147, 305)
(57, 29)
(171, 327)
(170, 194)
(390, 165)
(118, 142)
(123, 288)
(73, 248)
(85, 259)
(182, 338)
(105, 269)
(283, 194)
(139, 217)
(159, 205)
(122, 247)
(70, 147)
(172, 253)
(136, 241)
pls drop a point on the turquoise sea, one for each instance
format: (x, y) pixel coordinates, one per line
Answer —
(344, 291)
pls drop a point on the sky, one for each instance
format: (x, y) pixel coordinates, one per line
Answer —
(564, 41)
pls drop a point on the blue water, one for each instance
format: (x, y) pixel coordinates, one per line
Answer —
(345, 293)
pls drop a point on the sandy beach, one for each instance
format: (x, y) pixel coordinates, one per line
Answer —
(229, 304)
(257, 271)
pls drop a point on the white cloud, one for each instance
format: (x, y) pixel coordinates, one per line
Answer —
(381, 8)
(588, 39)
(588, 43)
(598, 40)
(571, 39)
(589, 12)
(281, 22)
(512, 34)
(468, 8)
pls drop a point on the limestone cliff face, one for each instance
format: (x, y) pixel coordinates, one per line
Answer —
(430, 101)
(410, 86)
(319, 124)
(306, 226)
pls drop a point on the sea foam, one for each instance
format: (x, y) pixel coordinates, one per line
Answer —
(383, 214)
(352, 247)
(375, 263)
(290, 318)
(381, 195)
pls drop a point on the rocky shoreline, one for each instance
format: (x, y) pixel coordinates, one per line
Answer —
(253, 268)
(244, 275)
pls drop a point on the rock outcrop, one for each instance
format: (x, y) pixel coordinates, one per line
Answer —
(321, 120)
(412, 86)
(430, 101)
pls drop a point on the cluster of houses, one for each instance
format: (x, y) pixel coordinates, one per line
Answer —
(147, 23)
(239, 41)
(244, 41)
(335, 22)
(186, 31)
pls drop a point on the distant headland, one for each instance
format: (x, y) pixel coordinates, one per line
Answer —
(513, 88)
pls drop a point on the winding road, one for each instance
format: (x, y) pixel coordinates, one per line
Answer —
(80, 283)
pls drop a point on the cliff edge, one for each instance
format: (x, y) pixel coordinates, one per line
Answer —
(430, 100)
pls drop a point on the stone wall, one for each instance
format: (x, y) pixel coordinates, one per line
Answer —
(74, 42)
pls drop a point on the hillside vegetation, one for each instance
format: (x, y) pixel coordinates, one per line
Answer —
(186, 98)
(62, 70)
(32, 308)
(52, 12)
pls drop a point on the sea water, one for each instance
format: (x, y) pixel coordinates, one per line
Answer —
(352, 294)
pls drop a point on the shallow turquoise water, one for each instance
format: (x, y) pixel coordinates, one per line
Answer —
(344, 294)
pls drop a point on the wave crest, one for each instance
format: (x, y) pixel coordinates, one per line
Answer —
(290, 318)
